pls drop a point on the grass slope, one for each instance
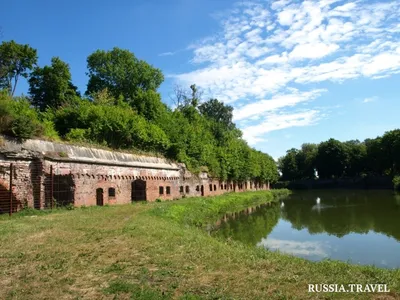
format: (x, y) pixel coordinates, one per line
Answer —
(151, 251)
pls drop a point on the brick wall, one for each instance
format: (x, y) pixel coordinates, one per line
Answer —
(85, 184)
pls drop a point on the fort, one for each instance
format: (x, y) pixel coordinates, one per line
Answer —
(41, 174)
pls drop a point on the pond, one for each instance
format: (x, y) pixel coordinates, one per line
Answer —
(360, 227)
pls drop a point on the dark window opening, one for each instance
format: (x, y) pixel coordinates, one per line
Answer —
(187, 189)
(5, 201)
(197, 188)
(221, 187)
(138, 191)
(63, 190)
(111, 192)
(215, 187)
(224, 186)
(99, 197)
(161, 190)
(210, 187)
(181, 189)
(168, 190)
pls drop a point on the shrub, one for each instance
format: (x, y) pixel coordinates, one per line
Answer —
(49, 131)
(113, 126)
(396, 182)
(25, 123)
(76, 134)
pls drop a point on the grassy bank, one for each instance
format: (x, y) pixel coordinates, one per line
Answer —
(203, 211)
(147, 251)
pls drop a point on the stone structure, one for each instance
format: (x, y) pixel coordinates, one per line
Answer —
(44, 171)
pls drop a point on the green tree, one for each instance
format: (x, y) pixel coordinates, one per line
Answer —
(218, 111)
(374, 160)
(390, 146)
(122, 74)
(288, 165)
(356, 152)
(332, 159)
(51, 86)
(306, 160)
(16, 61)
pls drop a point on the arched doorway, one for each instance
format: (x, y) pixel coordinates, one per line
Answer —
(99, 197)
(138, 190)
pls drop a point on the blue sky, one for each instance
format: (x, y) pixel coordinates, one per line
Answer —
(295, 71)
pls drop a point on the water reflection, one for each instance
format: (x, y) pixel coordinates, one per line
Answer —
(303, 249)
(360, 226)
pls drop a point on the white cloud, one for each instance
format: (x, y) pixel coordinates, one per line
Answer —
(370, 99)
(276, 121)
(316, 50)
(286, 17)
(263, 48)
(306, 248)
(276, 102)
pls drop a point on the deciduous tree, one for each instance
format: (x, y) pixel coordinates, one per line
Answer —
(16, 60)
(51, 86)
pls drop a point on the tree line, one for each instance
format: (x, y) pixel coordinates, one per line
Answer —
(121, 109)
(378, 156)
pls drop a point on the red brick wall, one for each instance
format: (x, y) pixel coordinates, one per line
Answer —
(31, 182)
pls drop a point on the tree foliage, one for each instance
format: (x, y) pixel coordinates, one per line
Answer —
(123, 110)
(51, 86)
(335, 159)
(17, 118)
(122, 74)
(16, 60)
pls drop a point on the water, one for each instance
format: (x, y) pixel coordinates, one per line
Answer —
(361, 227)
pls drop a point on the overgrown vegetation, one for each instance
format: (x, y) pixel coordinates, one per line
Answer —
(335, 159)
(126, 251)
(122, 109)
(396, 183)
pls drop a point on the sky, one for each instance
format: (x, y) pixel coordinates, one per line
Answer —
(294, 71)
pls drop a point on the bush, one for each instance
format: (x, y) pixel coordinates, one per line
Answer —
(49, 130)
(396, 182)
(5, 112)
(113, 126)
(18, 118)
(76, 134)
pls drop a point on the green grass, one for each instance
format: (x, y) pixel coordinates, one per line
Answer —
(203, 211)
(153, 251)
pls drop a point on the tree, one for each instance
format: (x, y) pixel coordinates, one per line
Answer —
(288, 165)
(217, 111)
(390, 145)
(356, 152)
(331, 159)
(16, 61)
(306, 160)
(51, 86)
(121, 73)
(374, 158)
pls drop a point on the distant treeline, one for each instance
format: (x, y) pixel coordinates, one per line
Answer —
(334, 159)
(121, 109)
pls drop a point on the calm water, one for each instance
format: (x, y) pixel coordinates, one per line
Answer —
(361, 227)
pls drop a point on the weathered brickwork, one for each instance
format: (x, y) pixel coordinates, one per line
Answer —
(99, 177)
